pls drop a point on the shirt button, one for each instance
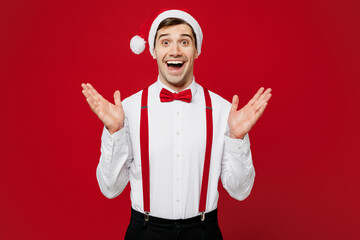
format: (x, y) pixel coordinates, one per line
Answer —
(177, 113)
(177, 155)
(177, 179)
(177, 133)
(177, 200)
(111, 140)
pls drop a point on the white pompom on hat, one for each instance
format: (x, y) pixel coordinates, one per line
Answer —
(137, 43)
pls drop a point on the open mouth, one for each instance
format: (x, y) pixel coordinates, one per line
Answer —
(174, 65)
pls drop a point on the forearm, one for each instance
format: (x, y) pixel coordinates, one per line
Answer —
(238, 173)
(112, 170)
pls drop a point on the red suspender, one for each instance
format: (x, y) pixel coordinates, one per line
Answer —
(209, 136)
(144, 148)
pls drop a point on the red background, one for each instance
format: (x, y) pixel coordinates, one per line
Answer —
(304, 147)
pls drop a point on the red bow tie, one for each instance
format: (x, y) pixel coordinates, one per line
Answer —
(167, 96)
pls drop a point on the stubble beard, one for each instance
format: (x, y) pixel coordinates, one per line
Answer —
(179, 82)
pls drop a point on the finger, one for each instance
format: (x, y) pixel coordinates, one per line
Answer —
(256, 96)
(267, 97)
(235, 103)
(263, 101)
(83, 85)
(85, 93)
(92, 91)
(91, 104)
(264, 94)
(88, 91)
(96, 95)
(92, 88)
(90, 99)
(117, 98)
(261, 111)
(86, 87)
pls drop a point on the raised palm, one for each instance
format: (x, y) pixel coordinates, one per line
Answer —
(241, 121)
(112, 115)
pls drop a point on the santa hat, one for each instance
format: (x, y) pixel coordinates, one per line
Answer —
(137, 43)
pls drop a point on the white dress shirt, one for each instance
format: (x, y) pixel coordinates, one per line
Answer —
(177, 138)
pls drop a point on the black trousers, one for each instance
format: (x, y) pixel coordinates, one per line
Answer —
(166, 229)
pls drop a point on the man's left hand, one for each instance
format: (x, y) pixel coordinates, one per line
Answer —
(241, 121)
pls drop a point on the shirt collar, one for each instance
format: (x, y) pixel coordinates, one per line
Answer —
(193, 86)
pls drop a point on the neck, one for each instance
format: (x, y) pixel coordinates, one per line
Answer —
(177, 87)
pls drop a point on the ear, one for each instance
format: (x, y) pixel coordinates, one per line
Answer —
(154, 54)
(196, 54)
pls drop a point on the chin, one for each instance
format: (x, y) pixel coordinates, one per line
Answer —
(176, 81)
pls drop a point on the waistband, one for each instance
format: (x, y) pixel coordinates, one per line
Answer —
(170, 223)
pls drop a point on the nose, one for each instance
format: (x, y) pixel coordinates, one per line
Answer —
(174, 50)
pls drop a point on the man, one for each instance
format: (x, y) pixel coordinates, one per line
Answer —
(174, 139)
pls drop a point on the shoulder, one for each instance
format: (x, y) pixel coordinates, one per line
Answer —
(217, 98)
(220, 111)
(219, 102)
(134, 100)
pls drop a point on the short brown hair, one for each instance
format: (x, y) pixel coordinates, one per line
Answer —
(171, 22)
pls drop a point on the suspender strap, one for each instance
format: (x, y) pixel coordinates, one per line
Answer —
(209, 136)
(144, 149)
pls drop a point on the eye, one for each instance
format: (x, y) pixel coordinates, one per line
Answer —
(184, 42)
(165, 42)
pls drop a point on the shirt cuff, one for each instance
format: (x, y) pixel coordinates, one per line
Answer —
(116, 139)
(237, 145)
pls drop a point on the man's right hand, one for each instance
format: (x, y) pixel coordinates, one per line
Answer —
(111, 115)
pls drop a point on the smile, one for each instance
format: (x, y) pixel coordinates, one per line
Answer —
(174, 65)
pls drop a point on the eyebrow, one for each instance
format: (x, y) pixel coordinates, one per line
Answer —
(182, 35)
(187, 35)
(163, 35)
